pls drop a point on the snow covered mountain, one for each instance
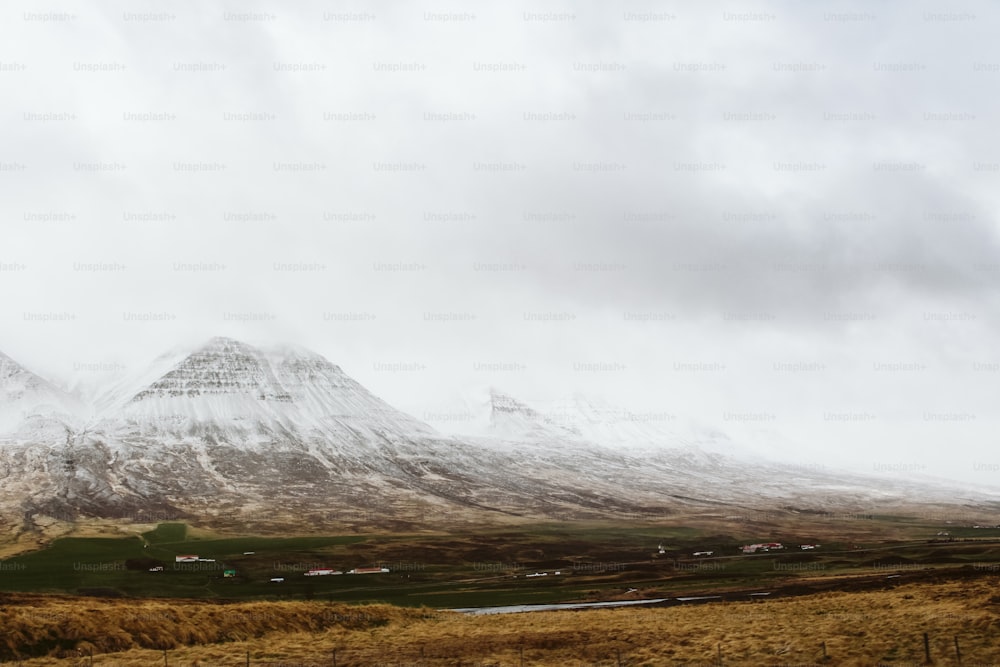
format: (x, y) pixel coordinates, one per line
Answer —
(599, 421)
(242, 395)
(579, 419)
(232, 433)
(32, 408)
(235, 435)
(513, 420)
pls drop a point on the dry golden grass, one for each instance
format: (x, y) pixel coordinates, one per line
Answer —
(866, 628)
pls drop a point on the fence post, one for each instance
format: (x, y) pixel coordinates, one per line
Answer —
(958, 652)
(165, 658)
(927, 648)
(248, 657)
(720, 655)
(334, 657)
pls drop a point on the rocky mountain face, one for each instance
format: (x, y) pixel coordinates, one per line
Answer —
(232, 435)
(243, 396)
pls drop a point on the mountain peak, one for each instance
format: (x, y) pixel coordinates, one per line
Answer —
(30, 402)
(15, 377)
(9, 367)
(223, 345)
(504, 402)
(279, 353)
(223, 342)
(228, 390)
(511, 418)
(221, 366)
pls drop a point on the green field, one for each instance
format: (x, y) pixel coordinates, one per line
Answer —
(594, 561)
(167, 532)
(122, 565)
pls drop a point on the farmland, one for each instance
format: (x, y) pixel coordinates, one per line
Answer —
(487, 568)
(99, 594)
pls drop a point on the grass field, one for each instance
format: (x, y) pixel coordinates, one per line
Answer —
(876, 627)
(869, 592)
(489, 568)
(121, 566)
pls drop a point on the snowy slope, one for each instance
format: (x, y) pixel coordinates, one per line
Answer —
(233, 434)
(31, 408)
(645, 432)
(513, 420)
(244, 395)
(586, 421)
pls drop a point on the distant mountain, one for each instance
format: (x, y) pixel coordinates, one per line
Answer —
(234, 435)
(231, 433)
(32, 408)
(512, 419)
(587, 419)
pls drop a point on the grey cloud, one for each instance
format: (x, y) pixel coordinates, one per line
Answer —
(518, 167)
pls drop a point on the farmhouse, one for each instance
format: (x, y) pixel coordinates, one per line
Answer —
(186, 559)
(322, 572)
(764, 546)
(806, 547)
(368, 570)
(703, 553)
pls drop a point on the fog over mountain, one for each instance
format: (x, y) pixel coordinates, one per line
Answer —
(230, 434)
(772, 228)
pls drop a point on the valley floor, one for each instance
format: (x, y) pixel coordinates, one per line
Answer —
(875, 627)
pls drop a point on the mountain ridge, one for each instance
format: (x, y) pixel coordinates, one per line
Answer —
(230, 433)
(32, 403)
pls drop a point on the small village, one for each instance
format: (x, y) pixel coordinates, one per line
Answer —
(229, 573)
(323, 572)
(760, 547)
(772, 546)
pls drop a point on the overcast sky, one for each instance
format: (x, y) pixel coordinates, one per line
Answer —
(775, 218)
